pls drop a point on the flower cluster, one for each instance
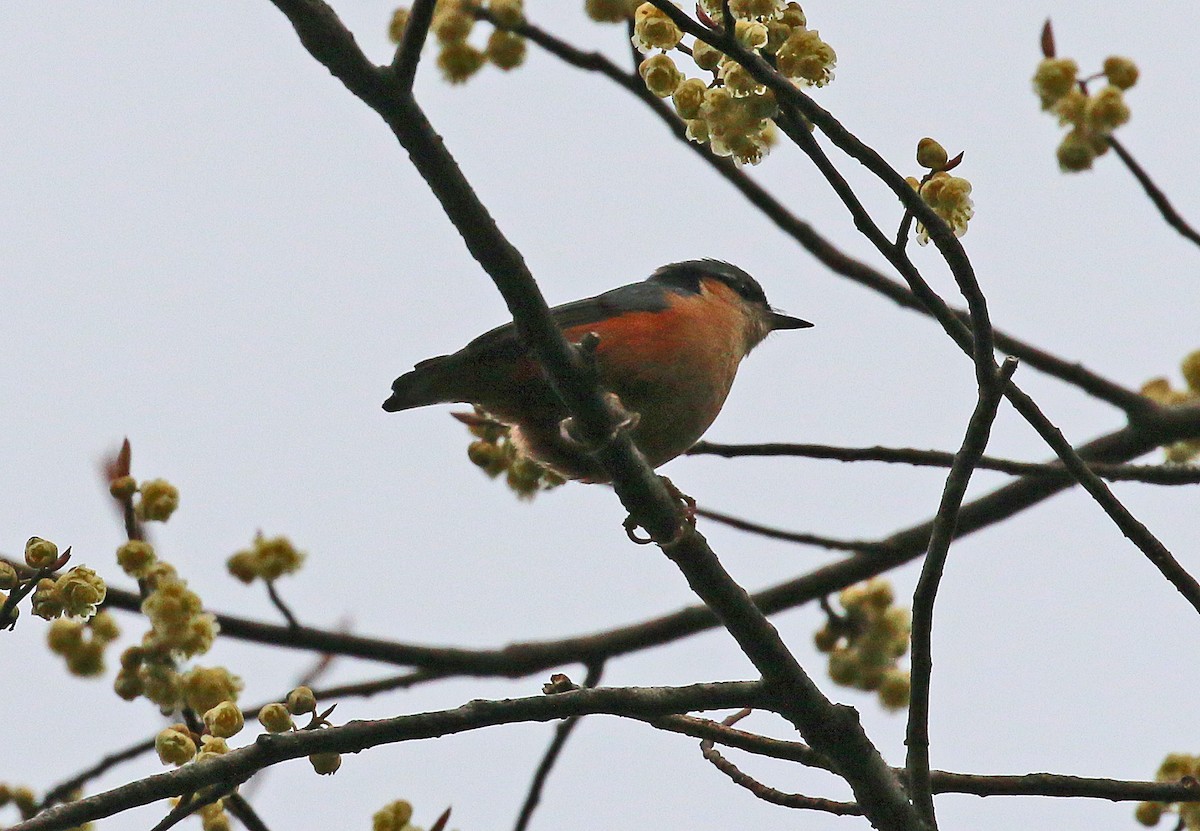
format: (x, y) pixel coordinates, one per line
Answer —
(1173, 768)
(1091, 118)
(494, 452)
(179, 628)
(865, 643)
(949, 196)
(82, 644)
(1160, 391)
(731, 111)
(268, 558)
(453, 22)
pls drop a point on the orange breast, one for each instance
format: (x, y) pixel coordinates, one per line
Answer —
(674, 367)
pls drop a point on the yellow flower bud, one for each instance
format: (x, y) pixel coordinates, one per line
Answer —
(392, 817)
(1054, 78)
(64, 636)
(746, 9)
(80, 590)
(224, 720)
(451, 23)
(123, 487)
(1121, 72)
(8, 577)
(243, 565)
(301, 700)
(652, 29)
(159, 500)
(826, 639)
(136, 558)
(706, 57)
(40, 553)
(1149, 813)
(127, 685)
(931, 155)
(1191, 374)
(459, 60)
(325, 764)
(608, 11)
(45, 602)
(507, 12)
(205, 688)
(806, 57)
(211, 746)
(87, 661)
(661, 75)
(398, 24)
(843, 667)
(1075, 153)
(1107, 110)
(895, 689)
(174, 746)
(688, 97)
(275, 718)
(506, 50)
(750, 33)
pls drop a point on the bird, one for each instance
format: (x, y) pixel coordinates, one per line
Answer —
(668, 348)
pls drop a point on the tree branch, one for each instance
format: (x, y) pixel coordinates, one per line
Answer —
(974, 442)
(269, 749)
(1155, 193)
(1170, 474)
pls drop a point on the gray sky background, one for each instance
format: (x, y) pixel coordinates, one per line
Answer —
(213, 248)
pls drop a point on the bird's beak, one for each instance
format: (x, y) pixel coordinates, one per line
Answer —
(778, 320)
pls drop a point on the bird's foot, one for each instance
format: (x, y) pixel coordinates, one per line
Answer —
(687, 523)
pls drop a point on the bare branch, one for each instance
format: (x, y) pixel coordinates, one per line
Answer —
(1155, 193)
(237, 766)
(865, 546)
(974, 442)
(1170, 474)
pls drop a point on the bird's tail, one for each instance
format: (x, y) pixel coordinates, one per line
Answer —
(428, 383)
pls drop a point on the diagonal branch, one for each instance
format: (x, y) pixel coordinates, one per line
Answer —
(1155, 193)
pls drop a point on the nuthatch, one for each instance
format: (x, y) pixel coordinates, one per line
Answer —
(668, 348)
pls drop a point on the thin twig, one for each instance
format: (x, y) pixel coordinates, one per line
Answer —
(281, 606)
(1155, 193)
(1168, 474)
(974, 442)
(865, 546)
(768, 794)
(562, 732)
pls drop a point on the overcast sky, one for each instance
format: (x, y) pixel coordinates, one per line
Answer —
(211, 247)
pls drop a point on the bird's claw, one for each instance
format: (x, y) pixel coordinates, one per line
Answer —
(688, 523)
